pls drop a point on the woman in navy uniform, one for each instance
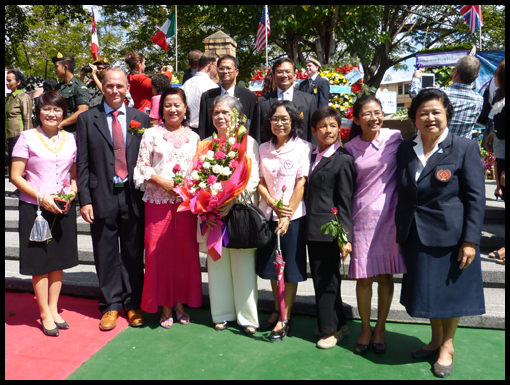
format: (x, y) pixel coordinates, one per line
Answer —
(439, 220)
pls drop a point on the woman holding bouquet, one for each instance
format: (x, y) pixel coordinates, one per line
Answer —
(232, 279)
(44, 162)
(375, 252)
(284, 167)
(331, 184)
(172, 264)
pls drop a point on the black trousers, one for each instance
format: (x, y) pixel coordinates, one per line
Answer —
(325, 264)
(120, 276)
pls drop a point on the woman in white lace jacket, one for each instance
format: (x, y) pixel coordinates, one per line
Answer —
(172, 263)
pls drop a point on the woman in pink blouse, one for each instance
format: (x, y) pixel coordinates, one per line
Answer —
(375, 251)
(172, 264)
(284, 167)
(44, 164)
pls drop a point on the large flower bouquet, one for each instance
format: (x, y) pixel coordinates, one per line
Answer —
(337, 77)
(221, 171)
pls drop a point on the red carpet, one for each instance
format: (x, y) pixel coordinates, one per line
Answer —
(30, 355)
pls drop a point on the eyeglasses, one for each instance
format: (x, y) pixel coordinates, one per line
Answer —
(284, 121)
(226, 69)
(49, 110)
(368, 115)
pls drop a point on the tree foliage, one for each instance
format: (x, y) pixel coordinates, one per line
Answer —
(376, 36)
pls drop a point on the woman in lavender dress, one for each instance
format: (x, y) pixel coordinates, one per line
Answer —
(375, 250)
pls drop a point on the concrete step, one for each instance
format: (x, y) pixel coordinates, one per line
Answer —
(82, 281)
(493, 274)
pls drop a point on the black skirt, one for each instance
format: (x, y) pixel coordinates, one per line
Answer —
(435, 287)
(293, 245)
(61, 252)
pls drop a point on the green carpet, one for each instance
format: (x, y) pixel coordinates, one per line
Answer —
(198, 352)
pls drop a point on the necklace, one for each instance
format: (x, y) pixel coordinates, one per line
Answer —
(46, 144)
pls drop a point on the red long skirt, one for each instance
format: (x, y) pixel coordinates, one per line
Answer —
(172, 262)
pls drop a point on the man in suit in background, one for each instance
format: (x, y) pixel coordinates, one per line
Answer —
(315, 85)
(228, 70)
(284, 74)
(193, 59)
(107, 156)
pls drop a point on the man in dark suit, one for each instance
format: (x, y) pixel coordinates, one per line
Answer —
(315, 85)
(228, 70)
(107, 155)
(284, 75)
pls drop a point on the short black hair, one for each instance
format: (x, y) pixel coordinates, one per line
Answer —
(297, 121)
(18, 75)
(324, 113)
(160, 82)
(50, 98)
(426, 95)
(279, 62)
(229, 57)
(174, 91)
(356, 110)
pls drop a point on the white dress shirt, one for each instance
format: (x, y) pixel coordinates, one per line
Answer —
(420, 153)
(286, 95)
(230, 91)
(194, 88)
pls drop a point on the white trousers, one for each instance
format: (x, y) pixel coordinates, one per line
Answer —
(233, 287)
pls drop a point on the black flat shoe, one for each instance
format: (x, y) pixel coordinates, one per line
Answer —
(279, 336)
(443, 371)
(247, 332)
(422, 354)
(266, 325)
(221, 325)
(50, 333)
(63, 325)
(379, 348)
(361, 349)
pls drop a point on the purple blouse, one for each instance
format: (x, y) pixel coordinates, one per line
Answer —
(45, 170)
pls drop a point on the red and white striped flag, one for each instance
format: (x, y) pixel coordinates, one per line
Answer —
(264, 26)
(94, 49)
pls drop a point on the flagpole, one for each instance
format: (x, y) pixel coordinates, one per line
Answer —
(267, 55)
(176, 44)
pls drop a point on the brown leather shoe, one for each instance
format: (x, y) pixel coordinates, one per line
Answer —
(109, 320)
(135, 318)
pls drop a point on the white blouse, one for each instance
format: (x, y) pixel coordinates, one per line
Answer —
(160, 151)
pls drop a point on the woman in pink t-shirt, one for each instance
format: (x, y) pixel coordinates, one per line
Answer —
(44, 164)
(284, 165)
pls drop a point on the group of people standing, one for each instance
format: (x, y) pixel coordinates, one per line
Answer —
(412, 207)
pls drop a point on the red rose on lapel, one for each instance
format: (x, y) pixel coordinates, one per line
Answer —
(134, 128)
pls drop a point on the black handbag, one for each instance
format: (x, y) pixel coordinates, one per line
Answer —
(247, 227)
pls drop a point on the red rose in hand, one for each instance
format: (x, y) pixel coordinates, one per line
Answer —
(177, 168)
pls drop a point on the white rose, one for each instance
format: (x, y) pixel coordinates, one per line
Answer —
(202, 185)
(202, 158)
(207, 165)
(231, 154)
(232, 141)
(216, 187)
(210, 155)
(193, 190)
(217, 169)
(195, 176)
(226, 171)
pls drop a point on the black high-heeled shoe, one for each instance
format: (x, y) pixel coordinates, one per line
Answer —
(63, 325)
(50, 333)
(279, 336)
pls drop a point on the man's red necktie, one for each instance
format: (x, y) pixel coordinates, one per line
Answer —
(119, 147)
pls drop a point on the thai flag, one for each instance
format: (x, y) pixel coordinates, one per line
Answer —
(261, 34)
(472, 15)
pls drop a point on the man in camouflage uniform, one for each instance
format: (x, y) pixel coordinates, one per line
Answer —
(73, 91)
(95, 88)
